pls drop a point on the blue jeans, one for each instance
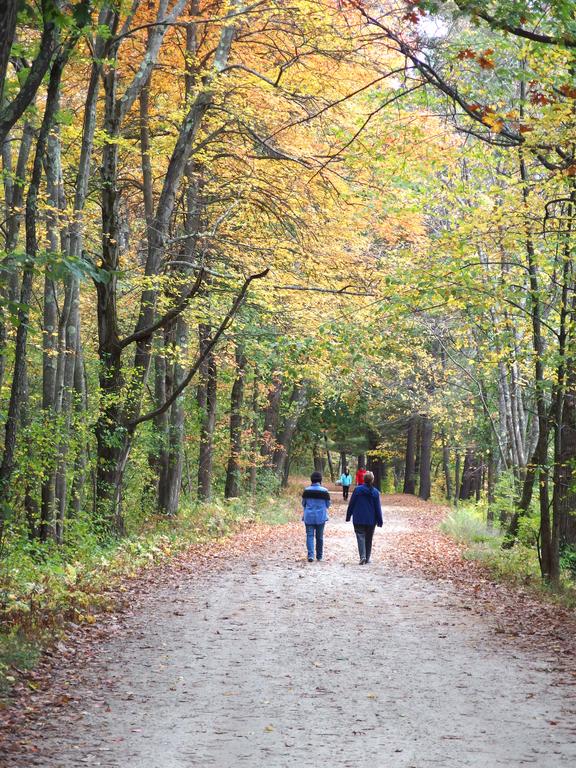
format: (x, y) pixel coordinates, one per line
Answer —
(312, 529)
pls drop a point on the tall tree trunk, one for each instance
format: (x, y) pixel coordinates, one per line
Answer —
(317, 458)
(8, 14)
(457, 477)
(425, 458)
(564, 403)
(233, 472)
(491, 489)
(468, 475)
(549, 552)
(329, 458)
(446, 468)
(271, 417)
(410, 458)
(172, 468)
(255, 437)
(297, 404)
(31, 216)
(81, 401)
(13, 200)
(207, 404)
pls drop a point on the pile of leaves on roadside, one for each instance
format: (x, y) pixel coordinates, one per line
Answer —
(48, 592)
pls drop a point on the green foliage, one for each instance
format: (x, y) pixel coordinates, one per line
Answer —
(568, 561)
(505, 491)
(15, 653)
(519, 564)
(466, 524)
(42, 586)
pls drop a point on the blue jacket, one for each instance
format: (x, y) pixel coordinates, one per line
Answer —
(346, 479)
(315, 502)
(364, 506)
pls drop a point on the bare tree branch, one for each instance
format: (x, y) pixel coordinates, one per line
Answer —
(168, 317)
(237, 303)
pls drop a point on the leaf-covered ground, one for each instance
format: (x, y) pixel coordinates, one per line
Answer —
(242, 653)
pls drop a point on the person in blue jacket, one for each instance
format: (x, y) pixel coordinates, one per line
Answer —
(345, 482)
(315, 503)
(366, 513)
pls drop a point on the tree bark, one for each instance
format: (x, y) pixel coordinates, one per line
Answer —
(425, 458)
(255, 437)
(329, 458)
(31, 216)
(297, 404)
(207, 404)
(233, 471)
(410, 458)
(446, 468)
(271, 417)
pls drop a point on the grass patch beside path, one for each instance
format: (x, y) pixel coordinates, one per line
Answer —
(45, 589)
(518, 565)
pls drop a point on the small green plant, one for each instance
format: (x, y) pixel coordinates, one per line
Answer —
(44, 585)
(466, 524)
(568, 561)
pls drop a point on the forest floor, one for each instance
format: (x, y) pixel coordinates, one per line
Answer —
(248, 655)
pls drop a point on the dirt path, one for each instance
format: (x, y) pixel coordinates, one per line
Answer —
(275, 662)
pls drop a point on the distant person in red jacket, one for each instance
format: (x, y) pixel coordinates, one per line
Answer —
(360, 476)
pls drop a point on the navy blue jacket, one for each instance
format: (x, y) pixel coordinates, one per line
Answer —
(364, 506)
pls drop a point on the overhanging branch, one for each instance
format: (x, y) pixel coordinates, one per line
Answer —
(167, 318)
(236, 304)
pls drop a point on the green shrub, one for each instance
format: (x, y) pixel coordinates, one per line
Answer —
(568, 561)
(466, 524)
(44, 585)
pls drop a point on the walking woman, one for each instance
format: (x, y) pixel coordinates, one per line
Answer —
(345, 482)
(366, 513)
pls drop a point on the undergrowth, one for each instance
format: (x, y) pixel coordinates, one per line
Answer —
(518, 564)
(44, 586)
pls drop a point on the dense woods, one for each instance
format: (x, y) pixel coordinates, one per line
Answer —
(244, 240)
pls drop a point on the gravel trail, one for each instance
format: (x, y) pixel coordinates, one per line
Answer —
(272, 661)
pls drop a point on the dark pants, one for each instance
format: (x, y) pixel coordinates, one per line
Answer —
(345, 489)
(364, 535)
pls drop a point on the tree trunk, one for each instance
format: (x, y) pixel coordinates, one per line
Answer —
(425, 458)
(467, 486)
(446, 468)
(271, 417)
(297, 404)
(8, 14)
(255, 437)
(491, 489)
(329, 458)
(19, 376)
(207, 404)
(317, 459)
(549, 551)
(410, 460)
(233, 471)
(457, 478)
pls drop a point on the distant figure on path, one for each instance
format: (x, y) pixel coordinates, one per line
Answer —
(315, 502)
(360, 475)
(366, 513)
(345, 482)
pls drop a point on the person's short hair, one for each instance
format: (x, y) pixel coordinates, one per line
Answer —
(369, 478)
(316, 476)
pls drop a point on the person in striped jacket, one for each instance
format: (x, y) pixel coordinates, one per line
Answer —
(315, 504)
